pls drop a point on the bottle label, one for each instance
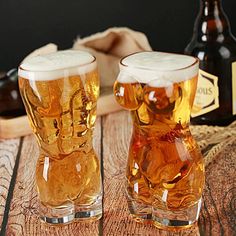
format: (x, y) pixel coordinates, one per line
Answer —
(234, 88)
(207, 95)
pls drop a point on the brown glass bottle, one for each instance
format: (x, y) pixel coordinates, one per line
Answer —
(11, 104)
(215, 46)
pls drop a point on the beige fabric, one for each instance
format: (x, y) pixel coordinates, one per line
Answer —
(109, 47)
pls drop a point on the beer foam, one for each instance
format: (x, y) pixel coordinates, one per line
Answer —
(149, 66)
(160, 83)
(57, 65)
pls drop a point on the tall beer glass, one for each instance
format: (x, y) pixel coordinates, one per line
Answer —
(60, 92)
(165, 170)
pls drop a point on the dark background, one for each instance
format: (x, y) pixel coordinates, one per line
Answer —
(28, 24)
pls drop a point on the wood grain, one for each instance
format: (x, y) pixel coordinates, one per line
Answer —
(23, 217)
(116, 135)
(8, 153)
(217, 216)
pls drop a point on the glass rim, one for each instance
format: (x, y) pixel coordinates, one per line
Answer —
(158, 70)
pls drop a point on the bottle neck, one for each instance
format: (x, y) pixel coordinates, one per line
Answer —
(210, 7)
(211, 21)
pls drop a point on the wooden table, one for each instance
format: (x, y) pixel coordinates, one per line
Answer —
(18, 197)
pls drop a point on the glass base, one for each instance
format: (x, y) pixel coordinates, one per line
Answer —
(139, 211)
(68, 213)
(176, 219)
(60, 215)
(165, 219)
(90, 212)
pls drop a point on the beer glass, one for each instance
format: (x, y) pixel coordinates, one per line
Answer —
(165, 169)
(60, 92)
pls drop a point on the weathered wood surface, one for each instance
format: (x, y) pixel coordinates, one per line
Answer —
(217, 216)
(8, 156)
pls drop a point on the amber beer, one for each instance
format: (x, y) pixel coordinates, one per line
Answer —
(60, 93)
(165, 171)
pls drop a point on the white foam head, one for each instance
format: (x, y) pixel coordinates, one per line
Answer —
(57, 65)
(157, 68)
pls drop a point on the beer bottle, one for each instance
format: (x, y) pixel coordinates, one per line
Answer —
(215, 46)
(11, 104)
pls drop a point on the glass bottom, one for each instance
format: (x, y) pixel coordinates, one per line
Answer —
(60, 215)
(89, 213)
(139, 211)
(69, 213)
(165, 219)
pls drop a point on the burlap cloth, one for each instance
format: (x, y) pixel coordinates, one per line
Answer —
(110, 46)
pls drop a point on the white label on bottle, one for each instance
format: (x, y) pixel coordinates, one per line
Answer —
(207, 95)
(234, 88)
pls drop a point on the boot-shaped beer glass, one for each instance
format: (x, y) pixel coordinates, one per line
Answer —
(165, 170)
(60, 92)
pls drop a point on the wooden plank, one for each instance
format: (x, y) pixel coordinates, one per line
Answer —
(8, 154)
(116, 135)
(23, 218)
